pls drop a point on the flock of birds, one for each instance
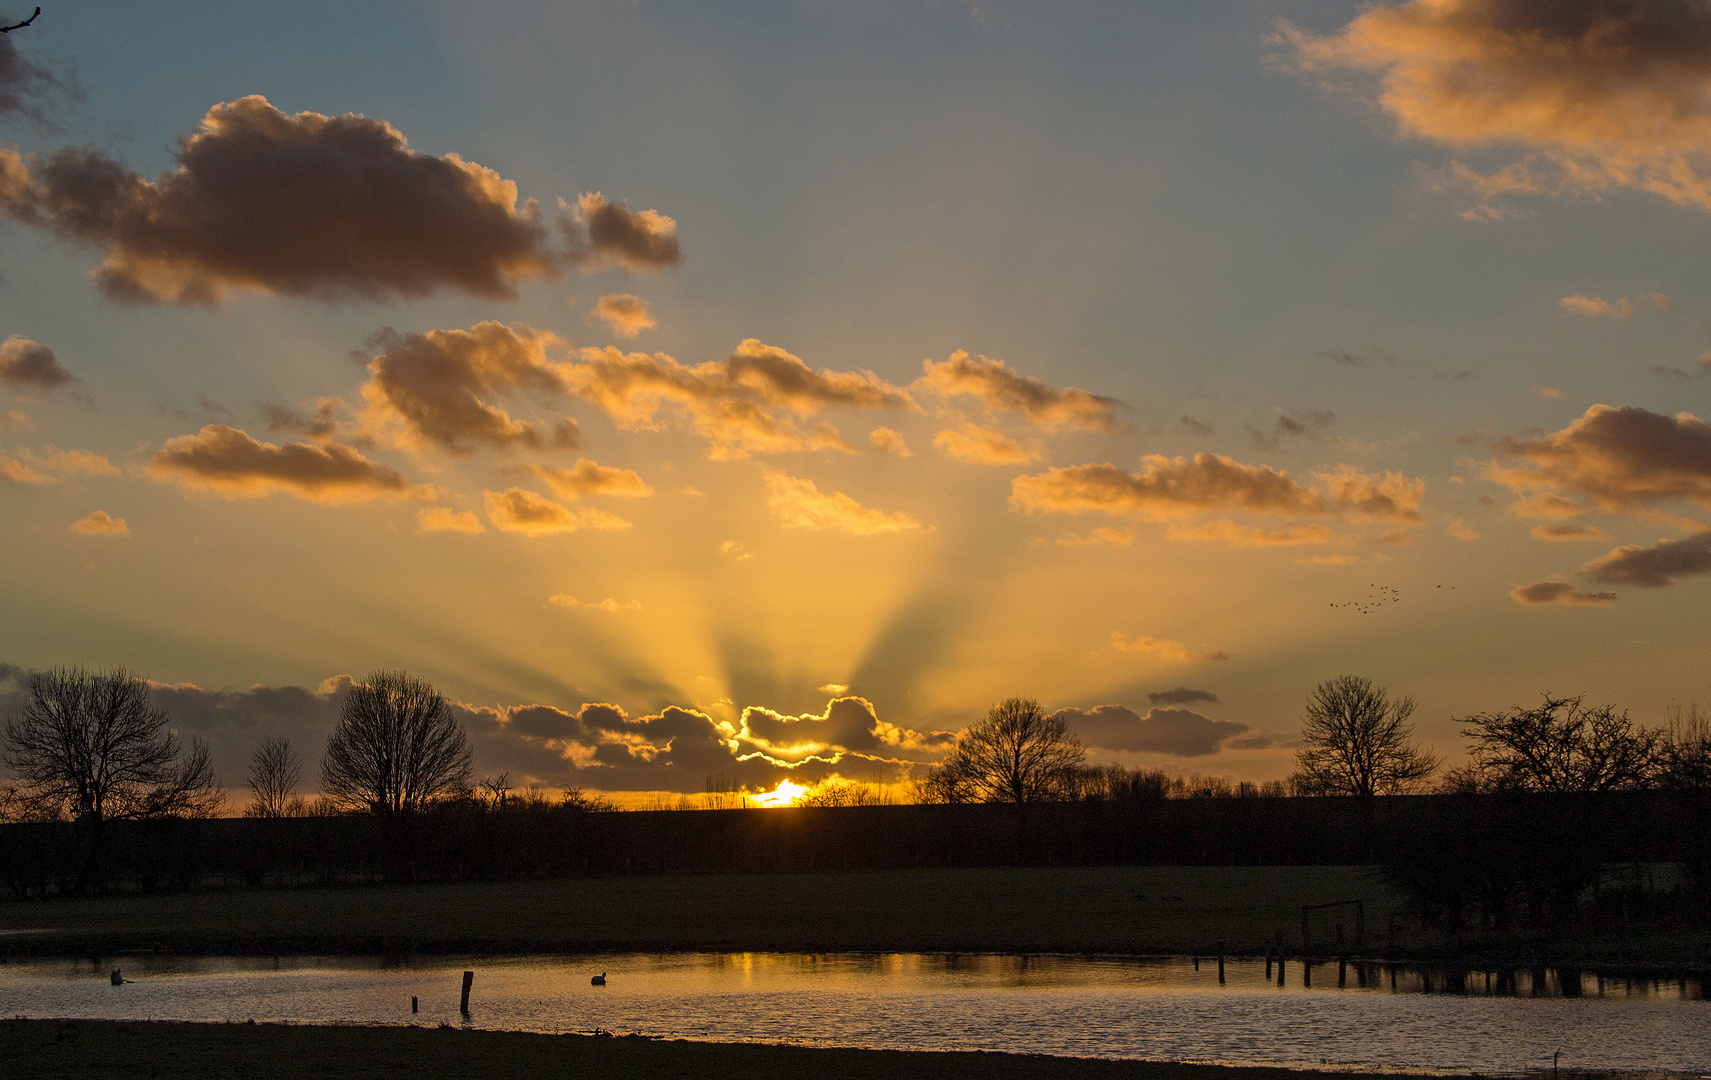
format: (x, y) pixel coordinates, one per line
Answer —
(1375, 600)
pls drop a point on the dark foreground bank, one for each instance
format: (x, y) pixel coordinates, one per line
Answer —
(54, 1049)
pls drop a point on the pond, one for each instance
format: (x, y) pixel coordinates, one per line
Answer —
(1156, 1009)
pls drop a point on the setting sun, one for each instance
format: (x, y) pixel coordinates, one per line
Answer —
(784, 794)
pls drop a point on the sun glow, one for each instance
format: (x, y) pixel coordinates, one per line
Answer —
(783, 795)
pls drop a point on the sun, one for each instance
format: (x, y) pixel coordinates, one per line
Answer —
(783, 795)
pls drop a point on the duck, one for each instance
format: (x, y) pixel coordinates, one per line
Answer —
(598, 980)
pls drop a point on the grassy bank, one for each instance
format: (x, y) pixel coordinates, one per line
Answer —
(1097, 909)
(1138, 910)
(61, 1050)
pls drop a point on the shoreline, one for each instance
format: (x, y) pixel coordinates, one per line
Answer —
(60, 1049)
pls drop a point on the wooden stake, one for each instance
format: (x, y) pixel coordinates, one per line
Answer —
(468, 977)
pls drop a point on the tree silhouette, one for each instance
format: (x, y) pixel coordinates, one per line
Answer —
(1359, 742)
(396, 749)
(1017, 754)
(274, 772)
(1561, 746)
(91, 742)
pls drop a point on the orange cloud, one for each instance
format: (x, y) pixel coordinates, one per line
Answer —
(435, 519)
(609, 605)
(519, 510)
(426, 390)
(1564, 533)
(1105, 535)
(884, 440)
(625, 314)
(1622, 308)
(51, 465)
(1654, 567)
(27, 367)
(1601, 96)
(799, 504)
(976, 445)
(606, 233)
(733, 403)
(1181, 487)
(100, 524)
(231, 464)
(1001, 388)
(1623, 460)
(1540, 593)
(1461, 530)
(588, 478)
(16, 420)
(1549, 393)
(1234, 535)
(1164, 648)
(330, 207)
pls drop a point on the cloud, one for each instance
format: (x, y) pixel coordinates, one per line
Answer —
(1624, 460)
(606, 233)
(1339, 558)
(1182, 695)
(1001, 388)
(1622, 308)
(1558, 592)
(1549, 393)
(1104, 536)
(833, 688)
(519, 510)
(735, 551)
(1598, 95)
(1179, 732)
(976, 445)
(16, 420)
(1564, 533)
(328, 207)
(798, 504)
(1196, 426)
(100, 524)
(28, 367)
(589, 478)
(22, 82)
(435, 519)
(322, 425)
(1233, 535)
(625, 314)
(848, 724)
(1164, 648)
(609, 605)
(1291, 425)
(50, 465)
(884, 440)
(735, 403)
(1670, 373)
(1654, 567)
(233, 465)
(426, 389)
(1461, 530)
(1180, 487)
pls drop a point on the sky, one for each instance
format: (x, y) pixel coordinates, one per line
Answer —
(759, 392)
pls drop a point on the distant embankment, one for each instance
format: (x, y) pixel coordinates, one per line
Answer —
(1631, 827)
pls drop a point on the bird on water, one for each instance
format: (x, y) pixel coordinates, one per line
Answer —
(598, 980)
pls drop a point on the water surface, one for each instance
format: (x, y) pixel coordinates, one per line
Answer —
(1156, 1009)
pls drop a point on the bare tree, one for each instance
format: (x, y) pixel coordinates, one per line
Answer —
(1017, 754)
(92, 743)
(1559, 746)
(1358, 741)
(1686, 751)
(397, 747)
(274, 772)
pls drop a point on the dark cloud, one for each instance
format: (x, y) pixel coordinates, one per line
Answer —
(328, 207)
(1625, 460)
(230, 463)
(1002, 388)
(607, 232)
(1558, 592)
(291, 422)
(1292, 424)
(1196, 426)
(1178, 732)
(24, 84)
(1182, 695)
(1652, 567)
(27, 367)
(428, 390)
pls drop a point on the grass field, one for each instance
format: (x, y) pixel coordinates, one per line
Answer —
(1099, 909)
(61, 1050)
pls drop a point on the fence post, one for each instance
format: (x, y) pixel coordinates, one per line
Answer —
(1220, 963)
(468, 977)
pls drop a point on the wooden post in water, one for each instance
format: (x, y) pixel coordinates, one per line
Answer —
(1196, 963)
(468, 977)
(1220, 963)
(412, 1004)
(1280, 958)
(1306, 971)
(1268, 963)
(1342, 959)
